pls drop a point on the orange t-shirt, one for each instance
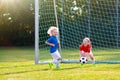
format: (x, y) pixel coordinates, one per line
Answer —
(85, 48)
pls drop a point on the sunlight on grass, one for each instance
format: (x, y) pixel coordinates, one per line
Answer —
(27, 54)
(29, 71)
(18, 64)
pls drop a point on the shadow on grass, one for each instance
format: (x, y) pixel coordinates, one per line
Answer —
(70, 68)
(61, 69)
(9, 73)
(16, 66)
(47, 69)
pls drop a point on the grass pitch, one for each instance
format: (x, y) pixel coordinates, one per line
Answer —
(18, 64)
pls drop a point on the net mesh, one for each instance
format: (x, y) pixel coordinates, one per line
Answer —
(97, 19)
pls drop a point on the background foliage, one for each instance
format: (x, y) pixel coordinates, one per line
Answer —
(17, 21)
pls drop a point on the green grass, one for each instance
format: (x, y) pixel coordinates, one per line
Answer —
(18, 64)
(16, 54)
(29, 71)
(100, 54)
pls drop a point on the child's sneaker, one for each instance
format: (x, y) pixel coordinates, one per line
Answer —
(58, 68)
(94, 65)
(81, 65)
(50, 65)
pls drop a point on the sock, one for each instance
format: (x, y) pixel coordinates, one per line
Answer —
(58, 63)
(93, 61)
(54, 61)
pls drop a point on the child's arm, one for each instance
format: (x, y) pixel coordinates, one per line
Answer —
(50, 44)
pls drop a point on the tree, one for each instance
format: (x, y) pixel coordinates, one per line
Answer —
(17, 23)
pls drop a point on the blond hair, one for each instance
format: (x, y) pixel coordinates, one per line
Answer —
(50, 30)
(86, 38)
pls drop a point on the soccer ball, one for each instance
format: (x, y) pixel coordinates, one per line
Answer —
(83, 60)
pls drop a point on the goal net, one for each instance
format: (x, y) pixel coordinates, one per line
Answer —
(97, 19)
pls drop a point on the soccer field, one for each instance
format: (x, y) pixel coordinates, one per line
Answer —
(18, 64)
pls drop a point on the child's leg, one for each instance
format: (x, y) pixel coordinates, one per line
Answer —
(82, 54)
(92, 57)
(58, 62)
(57, 58)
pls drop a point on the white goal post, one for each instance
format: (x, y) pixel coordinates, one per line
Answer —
(36, 31)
